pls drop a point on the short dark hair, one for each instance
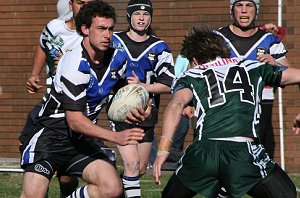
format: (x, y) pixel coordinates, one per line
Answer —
(203, 44)
(92, 9)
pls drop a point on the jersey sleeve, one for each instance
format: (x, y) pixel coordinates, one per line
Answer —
(272, 74)
(277, 49)
(165, 66)
(181, 83)
(49, 34)
(73, 79)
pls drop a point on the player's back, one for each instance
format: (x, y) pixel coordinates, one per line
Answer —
(227, 94)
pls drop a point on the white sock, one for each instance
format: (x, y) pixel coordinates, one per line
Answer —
(132, 186)
(80, 193)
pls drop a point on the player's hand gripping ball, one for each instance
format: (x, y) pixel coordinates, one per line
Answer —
(128, 97)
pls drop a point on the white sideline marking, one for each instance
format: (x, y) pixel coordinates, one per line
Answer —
(15, 170)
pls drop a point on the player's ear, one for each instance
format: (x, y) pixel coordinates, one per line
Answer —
(85, 30)
(71, 5)
(194, 63)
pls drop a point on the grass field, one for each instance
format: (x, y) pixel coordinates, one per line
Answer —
(11, 184)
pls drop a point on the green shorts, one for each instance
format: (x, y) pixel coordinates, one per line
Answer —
(208, 165)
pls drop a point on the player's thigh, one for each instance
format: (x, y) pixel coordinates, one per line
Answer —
(276, 185)
(176, 189)
(129, 153)
(102, 173)
(144, 153)
(34, 185)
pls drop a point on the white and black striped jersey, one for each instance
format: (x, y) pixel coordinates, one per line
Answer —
(57, 38)
(80, 85)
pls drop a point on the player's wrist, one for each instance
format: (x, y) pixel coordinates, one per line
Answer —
(164, 146)
(163, 153)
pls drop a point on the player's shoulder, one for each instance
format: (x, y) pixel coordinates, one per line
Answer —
(118, 36)
(157, 43)
(72, 57)
(223, 30)
(267, 36)
(56, 24)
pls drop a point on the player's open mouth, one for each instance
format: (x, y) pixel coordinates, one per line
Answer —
(244, 17)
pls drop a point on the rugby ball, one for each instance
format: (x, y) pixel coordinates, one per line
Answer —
(127, 98)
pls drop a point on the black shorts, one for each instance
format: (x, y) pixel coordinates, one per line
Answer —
(148, 126)
(149, 131)
(49, 151)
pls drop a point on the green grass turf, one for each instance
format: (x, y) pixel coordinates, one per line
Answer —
(11, 185)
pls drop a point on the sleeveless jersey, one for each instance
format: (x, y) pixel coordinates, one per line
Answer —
(57, 38)
(227, 91)
(79, 85)
(250, 47)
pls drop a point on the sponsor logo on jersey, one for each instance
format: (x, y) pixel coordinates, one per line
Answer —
(113, 74)
(119, 47)
(133, 65)
(260, 50)
(41, 169)
(100, 91)
(55, 44)
(151, 56)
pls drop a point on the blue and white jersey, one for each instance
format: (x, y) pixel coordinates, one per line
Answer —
(249, 48)
(152, 62)
(80, 85)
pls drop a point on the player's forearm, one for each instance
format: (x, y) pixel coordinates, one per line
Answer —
(284, 62)
(290, 76)
(81, 124)
(39, 60)
(157, 88)
(171, 119)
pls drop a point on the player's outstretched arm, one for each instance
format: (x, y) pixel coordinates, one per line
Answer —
(171, 119)
(290, 76)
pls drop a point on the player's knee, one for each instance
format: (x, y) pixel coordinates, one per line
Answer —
(29, 193)
(132, 166)
(67, 184)
(110, 188)
(67, 180)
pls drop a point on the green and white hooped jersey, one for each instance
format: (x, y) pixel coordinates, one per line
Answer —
(227, 93)
(57, 38)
